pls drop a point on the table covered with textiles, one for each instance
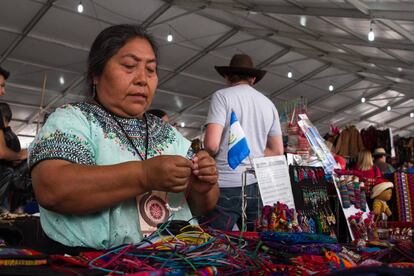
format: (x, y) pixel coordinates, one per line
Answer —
(193, 250)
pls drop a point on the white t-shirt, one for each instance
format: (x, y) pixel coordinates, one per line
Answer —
(259, 119)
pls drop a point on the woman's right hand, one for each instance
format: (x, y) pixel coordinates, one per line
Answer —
(22, 155)
(169, 173)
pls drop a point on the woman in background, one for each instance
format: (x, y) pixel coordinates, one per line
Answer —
(365, 165)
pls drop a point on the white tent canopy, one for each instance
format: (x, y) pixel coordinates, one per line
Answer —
(322, 42)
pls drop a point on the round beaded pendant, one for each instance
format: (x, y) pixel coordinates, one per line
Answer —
(153, 209)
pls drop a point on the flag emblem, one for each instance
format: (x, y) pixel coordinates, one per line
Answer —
(238, 147)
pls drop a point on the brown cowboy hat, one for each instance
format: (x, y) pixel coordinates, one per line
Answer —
(380, 152)
(241, 64)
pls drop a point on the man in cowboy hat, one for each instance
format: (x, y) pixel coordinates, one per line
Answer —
(380, 161)
(259, 119)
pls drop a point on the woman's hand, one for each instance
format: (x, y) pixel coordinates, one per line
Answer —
(205, 170)
(204, 190)
(22, 155)
(167, 173)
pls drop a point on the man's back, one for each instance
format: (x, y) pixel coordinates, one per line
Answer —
(257, 116)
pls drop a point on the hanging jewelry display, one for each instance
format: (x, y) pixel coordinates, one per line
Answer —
(310, 190)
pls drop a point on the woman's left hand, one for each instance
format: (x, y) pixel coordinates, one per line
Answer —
(205, 170)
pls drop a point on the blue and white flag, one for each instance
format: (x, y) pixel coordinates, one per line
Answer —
(238, 147)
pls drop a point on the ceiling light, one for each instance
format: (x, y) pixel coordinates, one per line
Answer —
(331, 87)
(411, 115)
(61, 80)
(289, 74)
(388, 108)
(363, 100)
(303, 21)
(169, 37)
(399, 69)
(80, 7)
(182, 124)
(371, 34)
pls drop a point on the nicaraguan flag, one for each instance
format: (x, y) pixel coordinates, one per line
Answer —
(238, 148)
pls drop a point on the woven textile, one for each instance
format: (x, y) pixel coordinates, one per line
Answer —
(404, 193)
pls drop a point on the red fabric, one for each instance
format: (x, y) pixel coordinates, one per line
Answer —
(341, 161)
(245, 235)
(82, 260)
(371, 174)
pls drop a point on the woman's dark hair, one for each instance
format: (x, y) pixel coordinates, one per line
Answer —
(4, 73)
(157, 112)
(108, 43)
(5, 111)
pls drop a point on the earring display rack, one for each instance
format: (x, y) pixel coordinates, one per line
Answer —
(312, 198)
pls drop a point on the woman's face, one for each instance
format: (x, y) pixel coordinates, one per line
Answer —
(129, 79)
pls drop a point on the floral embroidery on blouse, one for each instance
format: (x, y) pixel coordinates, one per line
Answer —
(161, 135)
(62, 144)
(65, 146)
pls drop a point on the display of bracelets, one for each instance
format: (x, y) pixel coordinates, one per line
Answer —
(316, 175)
(352, 192)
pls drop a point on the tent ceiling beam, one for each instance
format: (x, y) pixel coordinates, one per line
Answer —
(393, 120)
(377, 12)
(63, 94)
(380, 110)
(352, 104)
(26, 30)
(155, 15)
(300, 80)
(336, 91)
(359, 5)
(199, 55)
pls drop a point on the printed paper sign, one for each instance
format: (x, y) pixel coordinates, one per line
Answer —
(272, 174)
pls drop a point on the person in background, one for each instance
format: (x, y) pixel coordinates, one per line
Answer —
(10, 150)
(380, 161)
(365, 165)
(160, 114)
(9, 143)
(91, 160)
(341, 161)
(368, 171)
(4, 75)
(410, 166)
(260, 121)
(11, 154)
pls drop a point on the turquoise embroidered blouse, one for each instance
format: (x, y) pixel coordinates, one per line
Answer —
(84, 133)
